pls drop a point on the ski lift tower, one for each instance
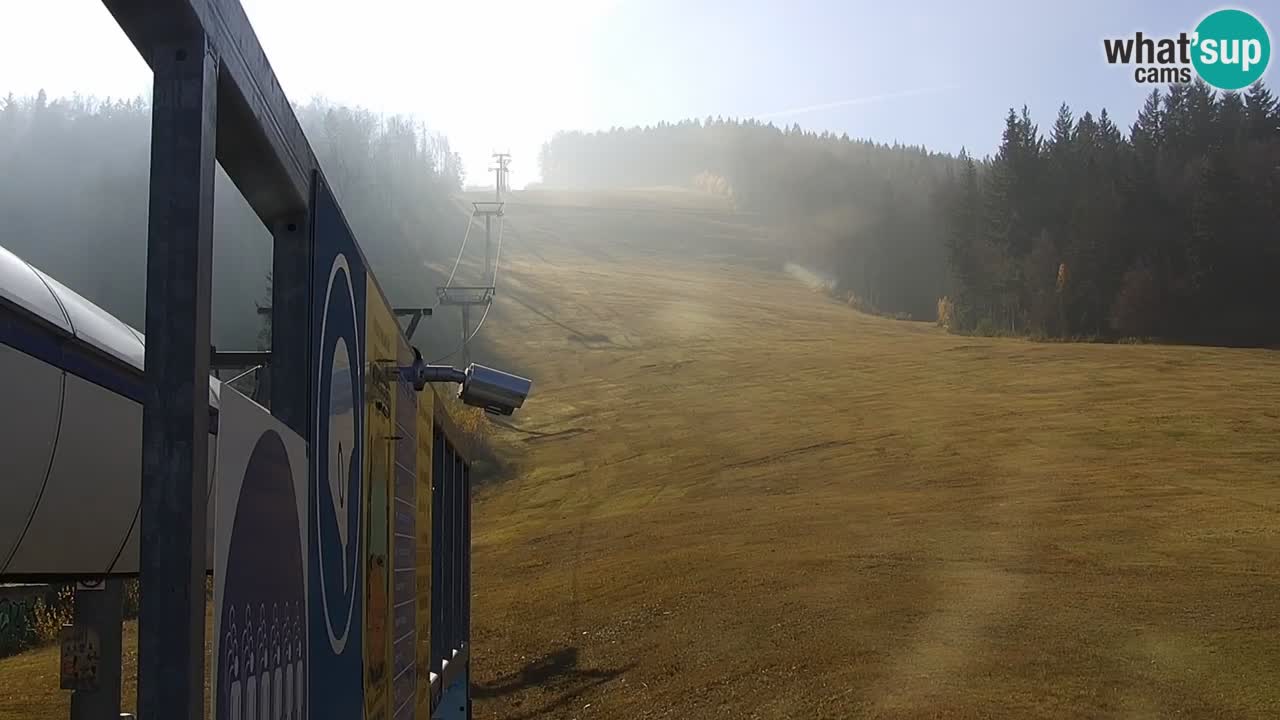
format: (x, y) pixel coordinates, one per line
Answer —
(500, 171)
(469, 296)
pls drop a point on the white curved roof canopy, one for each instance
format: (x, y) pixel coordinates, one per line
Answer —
(25, 287)
(71, 423)
(95, 326)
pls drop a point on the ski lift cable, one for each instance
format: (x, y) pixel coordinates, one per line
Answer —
(488, 307)
(497, 256)
(461, 250)
(470, 337)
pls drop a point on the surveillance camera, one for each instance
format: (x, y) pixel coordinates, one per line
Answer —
(499, 393)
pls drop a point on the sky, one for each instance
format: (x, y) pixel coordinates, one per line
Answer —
(504, 75)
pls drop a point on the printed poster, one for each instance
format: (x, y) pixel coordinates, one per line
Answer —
(260, 572)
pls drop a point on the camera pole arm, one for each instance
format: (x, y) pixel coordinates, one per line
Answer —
(441, 374)
(421, 374)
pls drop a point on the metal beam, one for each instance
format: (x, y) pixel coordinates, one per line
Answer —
(465, 294)
(261, 143)
(263, 148)
(175, 411)
(289, 382)
(237, 359)
(487, 207)
(415, 316)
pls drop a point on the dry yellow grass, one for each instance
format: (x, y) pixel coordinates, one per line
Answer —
(737, 498)
(29, 681)
(746, 500)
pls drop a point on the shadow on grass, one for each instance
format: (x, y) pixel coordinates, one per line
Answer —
(556, 671)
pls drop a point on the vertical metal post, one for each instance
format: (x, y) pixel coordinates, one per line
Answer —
(466, 582)
(101, 609)
(439, 554)
(466, 553)
(459, 638)
(455, 703)
(290, 345)
(175, 412)
(500, 174)
(451, 531)
(488, 253)
(466, 330)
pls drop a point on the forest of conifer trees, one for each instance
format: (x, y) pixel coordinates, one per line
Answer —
(1168, 231)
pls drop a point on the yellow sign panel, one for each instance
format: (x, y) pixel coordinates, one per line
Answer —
(381, 336)
(426, 407)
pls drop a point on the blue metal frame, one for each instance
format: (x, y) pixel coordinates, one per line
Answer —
(175, 417)
(216, 96)
(450, 581)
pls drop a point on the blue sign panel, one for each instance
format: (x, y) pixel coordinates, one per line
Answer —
(335, 577)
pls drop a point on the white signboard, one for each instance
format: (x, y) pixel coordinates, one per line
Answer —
(259, 566)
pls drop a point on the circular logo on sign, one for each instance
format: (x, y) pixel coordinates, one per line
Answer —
(337, 453)
(1232, 49)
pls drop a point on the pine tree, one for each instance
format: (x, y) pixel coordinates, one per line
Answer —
(1262, 112)
(1008, 215)
(1062, 177)
(999, 201)
(1232, 123)
(963, 235)
(1177, 124)
(1148, 132)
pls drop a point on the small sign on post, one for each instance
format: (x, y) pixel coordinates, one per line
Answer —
(81, 651)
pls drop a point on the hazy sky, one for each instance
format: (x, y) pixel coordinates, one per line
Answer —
(505, 74)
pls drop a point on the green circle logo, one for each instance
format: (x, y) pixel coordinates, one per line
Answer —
(1231, 49)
